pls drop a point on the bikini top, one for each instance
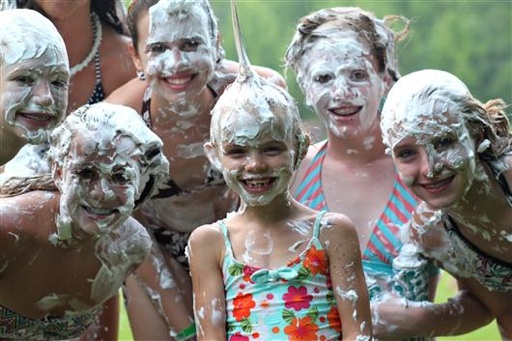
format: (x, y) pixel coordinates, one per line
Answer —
(72, 325)
(213, 176)
(467, 259)
(98, 94)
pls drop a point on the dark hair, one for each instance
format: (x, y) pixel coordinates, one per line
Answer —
(105, 9)
(137, 7)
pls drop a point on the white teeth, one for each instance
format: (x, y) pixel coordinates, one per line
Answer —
(255, 183)
(178, 81)
(98, 211)
(346, 112)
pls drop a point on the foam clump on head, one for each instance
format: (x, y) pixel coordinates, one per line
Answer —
(26, 34)
(103, 123)
(417, 101)
(252, 105)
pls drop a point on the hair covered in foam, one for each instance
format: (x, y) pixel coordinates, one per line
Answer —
(416, 99)
(27, 34)
(103, 123)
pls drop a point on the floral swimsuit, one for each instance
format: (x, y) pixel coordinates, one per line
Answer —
(291, 302)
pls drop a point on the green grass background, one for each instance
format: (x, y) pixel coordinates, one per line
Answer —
(447, 288)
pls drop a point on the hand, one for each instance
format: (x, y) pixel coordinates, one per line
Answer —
(395, 318)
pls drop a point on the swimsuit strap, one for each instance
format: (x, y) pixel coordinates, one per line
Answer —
(224, 230)
(98, 93)
(318, 223)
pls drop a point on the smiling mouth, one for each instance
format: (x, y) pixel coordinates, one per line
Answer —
(346, 111)
(38, 117)
(438, 186)
(179, 82)
(99, 212)
(258, 184)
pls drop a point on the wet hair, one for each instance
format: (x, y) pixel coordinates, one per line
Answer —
(139, 7)
(491, 120)
(105, 9)
(119, 121)
(375, 32)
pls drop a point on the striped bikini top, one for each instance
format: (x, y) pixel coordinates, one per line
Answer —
(384, 243)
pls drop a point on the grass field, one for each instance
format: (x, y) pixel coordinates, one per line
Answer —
(447, 288)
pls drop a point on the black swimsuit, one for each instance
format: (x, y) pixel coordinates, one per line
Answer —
(173, 241)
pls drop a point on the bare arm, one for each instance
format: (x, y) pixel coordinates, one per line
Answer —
(347, 277)
(130, 94)
(163, 286)
(396, 318)
(204, 250)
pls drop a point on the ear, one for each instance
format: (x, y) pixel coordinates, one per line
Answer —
(135, 57)
(388, 82)
(302, 152)
(211, 154)
(218, 48)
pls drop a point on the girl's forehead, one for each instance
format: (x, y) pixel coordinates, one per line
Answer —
(240, 127)
(336, 52)
(341, 43)
(176, 21)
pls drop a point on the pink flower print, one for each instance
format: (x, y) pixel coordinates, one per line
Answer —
(248, 271)
(238, 337)
(297, 298)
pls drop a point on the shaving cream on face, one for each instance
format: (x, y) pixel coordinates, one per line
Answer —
(179, 44)
(340, 81)
(424, 109)
(34, 74)
(102, 160)
(253, 125)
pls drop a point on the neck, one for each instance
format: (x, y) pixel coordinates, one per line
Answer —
(77, 32)
(357, 150)
(182, 109)
(278, 209)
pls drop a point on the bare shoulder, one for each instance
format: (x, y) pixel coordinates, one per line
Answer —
(208, 235)
(27, 217)
(130, 94)
(337, 224)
